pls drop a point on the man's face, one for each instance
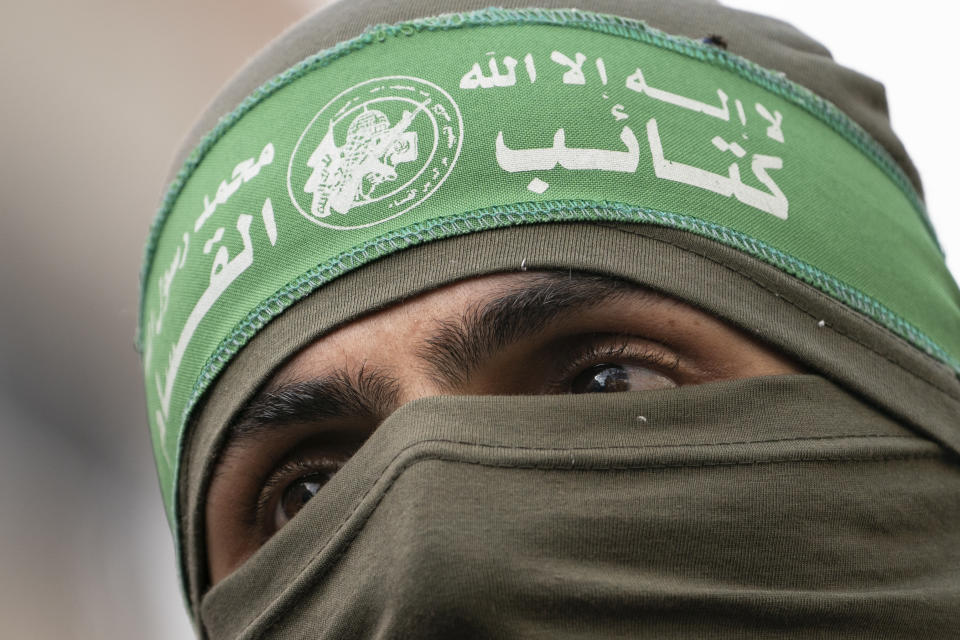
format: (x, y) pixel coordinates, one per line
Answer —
(518, 333)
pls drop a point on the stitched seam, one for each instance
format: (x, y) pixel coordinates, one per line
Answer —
(643, 447)
(546, 212)
(793, 303)
(346, 544)
(399, 454)
(603, 23)
(500, 217)
(828, 284)
(575, 211)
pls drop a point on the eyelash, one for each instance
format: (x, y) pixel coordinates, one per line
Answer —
(283, 476)
(600, 353)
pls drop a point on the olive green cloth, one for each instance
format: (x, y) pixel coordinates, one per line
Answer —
(769, 42)
(237, 243)
(750, 508)
(846, 523)
(867, 360)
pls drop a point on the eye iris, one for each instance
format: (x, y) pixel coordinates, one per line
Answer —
(299, 493)
(602, 378)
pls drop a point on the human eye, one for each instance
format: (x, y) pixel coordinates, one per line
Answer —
(294, 482)
(609, 364)
(579, 363)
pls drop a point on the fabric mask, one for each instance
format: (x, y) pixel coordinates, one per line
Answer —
(735, 167)
(769, 506)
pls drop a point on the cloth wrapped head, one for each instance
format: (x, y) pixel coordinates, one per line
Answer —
(709, 155)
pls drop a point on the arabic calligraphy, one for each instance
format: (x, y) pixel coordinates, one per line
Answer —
(155, 325)
(774, 202)
(244, 172)
(559, 154)
(639, 84)
(224, 271)
(530, 67)
(776, 119)
(741, 112)
(573, 71)
(474, 78)
(547, 158)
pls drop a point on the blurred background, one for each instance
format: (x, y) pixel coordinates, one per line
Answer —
(96, 96)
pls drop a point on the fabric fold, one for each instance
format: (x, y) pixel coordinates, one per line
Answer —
(566, 517)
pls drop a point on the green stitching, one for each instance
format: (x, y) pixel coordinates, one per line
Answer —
(531, 213)
(555, 211)
(534, 212)
(613, 25)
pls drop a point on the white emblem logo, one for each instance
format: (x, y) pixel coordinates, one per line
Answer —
(374, 152)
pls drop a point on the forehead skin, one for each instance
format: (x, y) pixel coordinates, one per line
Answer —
(400, 344)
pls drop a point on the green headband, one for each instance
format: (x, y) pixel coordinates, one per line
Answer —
(465, 122)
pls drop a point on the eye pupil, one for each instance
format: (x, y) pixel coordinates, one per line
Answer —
(299, 493)
(602, 378)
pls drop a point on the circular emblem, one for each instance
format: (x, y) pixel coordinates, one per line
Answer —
(374, 152)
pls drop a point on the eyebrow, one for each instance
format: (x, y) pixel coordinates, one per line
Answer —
(456, 348)
(368, 393)
(460, 345)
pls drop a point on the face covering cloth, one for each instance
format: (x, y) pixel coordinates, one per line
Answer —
(351, 170)
(586, 522)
